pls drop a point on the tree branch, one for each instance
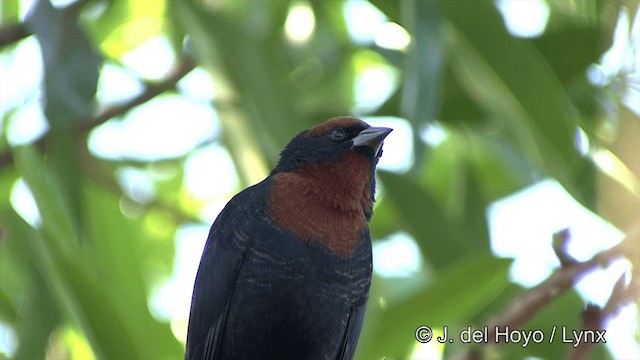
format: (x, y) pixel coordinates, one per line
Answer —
(524, 307)
(12, 33)
(528, 304)
(595, 318)
(151, 91)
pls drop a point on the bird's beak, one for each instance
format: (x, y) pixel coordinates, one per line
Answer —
(372, 137)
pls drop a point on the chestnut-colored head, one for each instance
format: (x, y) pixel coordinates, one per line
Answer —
(323, 185)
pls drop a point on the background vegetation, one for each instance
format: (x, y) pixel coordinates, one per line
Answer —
(77, 283)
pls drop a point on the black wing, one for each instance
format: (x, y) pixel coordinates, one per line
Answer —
(220, 264)
(357, 311)
(354, 325)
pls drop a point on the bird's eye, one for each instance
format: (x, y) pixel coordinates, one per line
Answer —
(338, 134)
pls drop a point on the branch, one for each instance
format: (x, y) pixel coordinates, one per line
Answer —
(151, 91)
(595, 318)
(12, 33)
(528, 304)
(525, 306)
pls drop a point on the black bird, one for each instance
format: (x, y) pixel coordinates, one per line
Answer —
(286, 269)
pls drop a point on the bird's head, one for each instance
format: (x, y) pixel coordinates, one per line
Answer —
(324, 184)
(331, 140)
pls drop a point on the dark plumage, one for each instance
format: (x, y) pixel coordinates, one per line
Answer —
(286, 269)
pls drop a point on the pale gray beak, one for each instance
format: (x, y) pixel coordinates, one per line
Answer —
(372, 137)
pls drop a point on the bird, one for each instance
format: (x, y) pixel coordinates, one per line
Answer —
(286, 269)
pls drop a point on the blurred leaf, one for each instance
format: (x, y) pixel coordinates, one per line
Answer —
(222, 45)
(8, 310)
(395, 58)
(520, 91)
(157, 243)
(557, 314)
(592, 102)
(472, 222)
(10, 11)
(582, 12)
(70, 64)
(8, 177)
(337, 67)
(38, 313)
(446, 170)
(62, 165)
(392, 9)
(385, 219)
(37, 318)
(12, 283)
(116, 255)
(89, 281)
(57, 221)
(497, 167)
(423, 217)
(110, 333)
(461, 291)
(80, 297)
(127, 24)
(327, 89)
(391, 107)
(460, 171)
(155, 221)
(222, 42)
(423, 71)
(570, 50)
(457, 106)
(587, 184)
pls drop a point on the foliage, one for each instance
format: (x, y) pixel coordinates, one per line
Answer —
(81, 278)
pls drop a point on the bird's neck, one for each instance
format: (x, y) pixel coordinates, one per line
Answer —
(327, 202)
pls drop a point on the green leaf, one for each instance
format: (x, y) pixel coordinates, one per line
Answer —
(40, 283)
(222, 42)
(426, 220)
(8, 310)
(457, 295)
(385, 219)
(495, 164)
(127, 24)
(89, 281)
(12, 284)
(57, 221)
(108, 330)
(423, 71)
(78, 294)
(569, 50)
(256, 128)
(71, 65)
(38, 317)
(8, 177)
(10, 11)
(63, 166)
(564, 311)
(457, 105)
(520, 91)
(392, 9)
(116, 256)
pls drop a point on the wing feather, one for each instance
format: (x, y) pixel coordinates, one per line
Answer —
(221, 261)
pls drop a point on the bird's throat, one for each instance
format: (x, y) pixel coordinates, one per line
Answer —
(325, 202)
